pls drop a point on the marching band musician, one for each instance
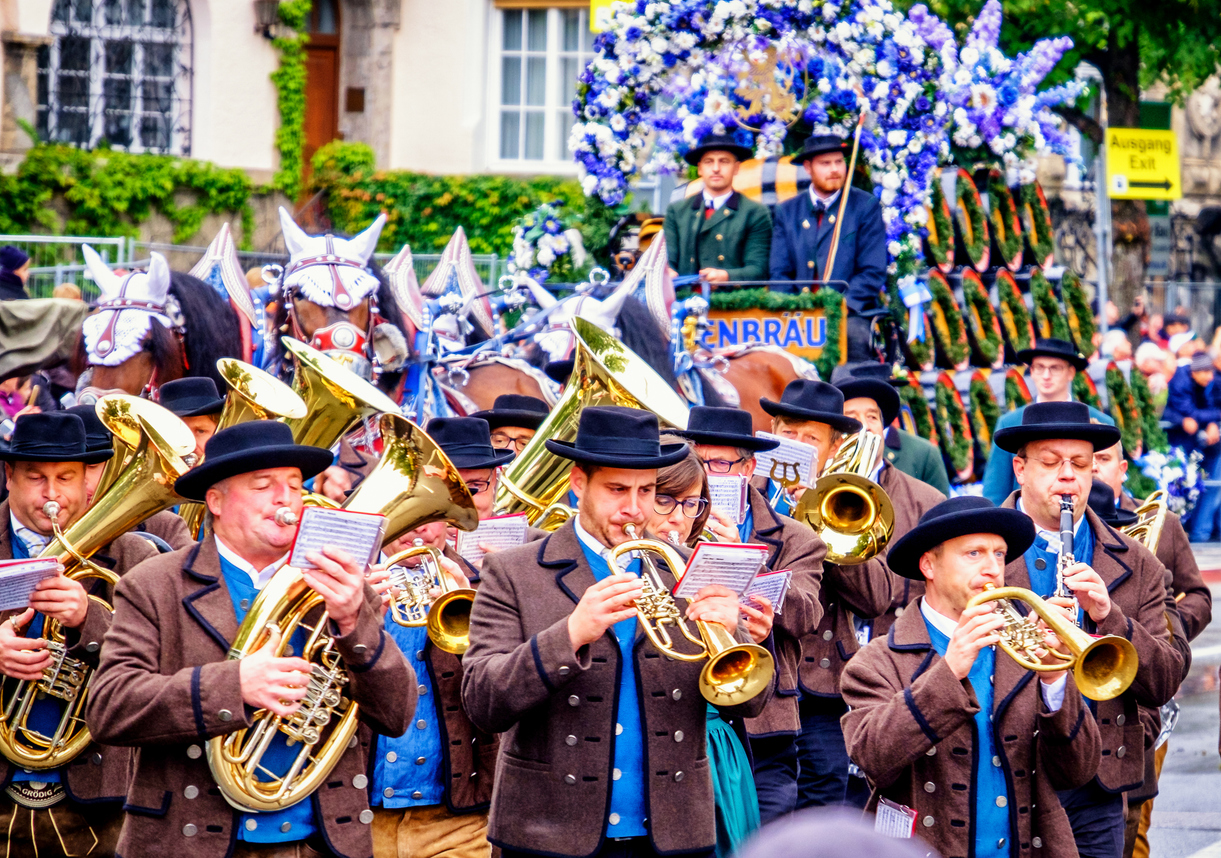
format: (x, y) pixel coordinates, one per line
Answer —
(198, 404)
(943, 724)
(724, 443)
(431, 786)
(1118, 586)
(74, 808)
(603, 751)
(165, 686)
(513, 419)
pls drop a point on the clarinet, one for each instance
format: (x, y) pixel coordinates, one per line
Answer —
(1066, 550)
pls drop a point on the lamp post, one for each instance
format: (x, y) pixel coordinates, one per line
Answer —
(267, 18)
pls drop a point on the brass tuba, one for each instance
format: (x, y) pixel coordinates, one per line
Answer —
(605, 373)
(735, 672)
(850, 512)
(156, 440)
(1151, 518)
(1103, 667)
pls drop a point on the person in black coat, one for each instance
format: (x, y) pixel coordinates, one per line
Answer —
(14, 271)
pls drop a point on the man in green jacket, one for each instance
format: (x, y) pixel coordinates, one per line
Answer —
(719, 234)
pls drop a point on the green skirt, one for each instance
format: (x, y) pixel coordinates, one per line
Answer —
(733, 786)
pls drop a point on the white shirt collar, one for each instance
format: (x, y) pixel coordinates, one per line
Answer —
(259, 577)
(937, 620)
(33, 541)
(1051, 537)
(815, 197)
(717, 202)
(588, 540)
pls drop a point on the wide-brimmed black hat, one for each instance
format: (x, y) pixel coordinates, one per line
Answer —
(619, 438)
(805, 399)
(1054, 348)
(97, 436)
(819, 144)
(864, 380)
(247, 447)
(513, 409)
(959, 516)
(468, 442)
(53, 436)
(1042, 421)
(191, 397)
(724, 427)
(559, 370)
(1102, 502)
(718, 143)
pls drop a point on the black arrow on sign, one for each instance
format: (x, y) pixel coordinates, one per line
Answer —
(1164, 184)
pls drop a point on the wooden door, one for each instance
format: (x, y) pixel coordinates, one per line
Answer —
(321, 79)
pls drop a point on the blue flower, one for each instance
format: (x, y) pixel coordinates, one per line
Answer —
(632, 33)
(1008, 95)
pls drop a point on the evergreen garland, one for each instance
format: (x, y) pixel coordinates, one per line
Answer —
(952, 425)
(912, 395)
(1014, 317)
(1017, 394)
(985, 411)
(939, 243)
(1049, 319)
(1085, 391)
(1077, 308)
(972, 221)
(289, 80)
(1006, 229)
(919, 354)
(828, 300)
(1036, 223)
(1150, 427)
(981, 319)
(948, 333)
(1123, 410)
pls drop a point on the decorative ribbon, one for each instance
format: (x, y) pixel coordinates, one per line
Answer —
(915, 295)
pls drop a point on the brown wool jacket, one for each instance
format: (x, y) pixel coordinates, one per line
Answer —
(556, 711)
(911, 730)
(165, 687)
(795, 547)
(99, 773)
(1140, 612)
(168, 527)
(911, 499)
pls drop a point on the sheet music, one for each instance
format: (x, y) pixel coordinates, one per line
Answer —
(792, 459)
(894, 820)
(498, 532)
(728, 495)
(18, 579)
(358, 533)
(730, 565)
(770, 585)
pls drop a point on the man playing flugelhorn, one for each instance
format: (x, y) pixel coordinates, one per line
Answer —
(946, 726)
(166, 687)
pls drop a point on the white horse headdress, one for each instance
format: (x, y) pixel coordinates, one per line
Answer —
(327, 270)
(128, 305)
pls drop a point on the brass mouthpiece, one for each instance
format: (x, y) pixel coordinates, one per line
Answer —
(51, 510)
(285, 517)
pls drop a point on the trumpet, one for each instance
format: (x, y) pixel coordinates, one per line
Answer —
(850, 512)
(448, 617)
(1151, 518)
(1103, 667)
(735, 672)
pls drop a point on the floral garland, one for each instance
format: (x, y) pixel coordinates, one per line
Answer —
(912, 395)
(1017, 394)
(1085, 391)
(982, 326)
(1006, 230)
(1077, 309)
(1014, 317)
(985, 411)
(952, 426)
(1175, 472)
(949, 335)
(1048, 317)
(1150, 427)
(972, 221)
(1036, 223)
(1123, 410)
(918, 353)
(829, 301)
(939, 243)
(544, 247)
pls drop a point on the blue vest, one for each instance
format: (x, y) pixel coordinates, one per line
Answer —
(747, 528)
(628, 808)
(407, 771)
(45, 712)
(296, 822)
(992, 832)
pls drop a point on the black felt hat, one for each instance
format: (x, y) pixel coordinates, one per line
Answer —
(726, 427)
(1042, 421)
(191, 397)
(617, 437)
(805, 399)
(959, 516)
(820, 144)
(513, 409)
(868, 382)
(467, 441)
(53, 436)
(247, 447)
(1054, 348)
(97, 436)
(718, 143)
(559, 370)
(1102, 502)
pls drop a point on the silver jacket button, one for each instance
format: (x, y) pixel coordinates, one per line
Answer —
(570, 779)
(564, 670)
(225, 715)
(360, 781)
(678, 735)
(827, 635)
(366, 816)
(928, 822)
(573, 700)
(360, 649)
(194, 752)
(570, 741)
(189, 829)
(929, 786)
(191, 792)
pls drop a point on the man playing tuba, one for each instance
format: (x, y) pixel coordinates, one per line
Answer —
(165, 686)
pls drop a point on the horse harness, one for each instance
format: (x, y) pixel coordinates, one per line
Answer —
(106, 342)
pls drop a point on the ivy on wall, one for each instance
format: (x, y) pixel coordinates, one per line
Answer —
(289, 80)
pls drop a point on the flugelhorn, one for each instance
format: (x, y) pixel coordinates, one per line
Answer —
(605, 373)
(850, 512)
(1103, 667)
(735, 672)
(1150, 519)
(143, 488)
(448, 617)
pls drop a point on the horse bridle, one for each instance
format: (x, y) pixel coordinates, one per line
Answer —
(106, 341)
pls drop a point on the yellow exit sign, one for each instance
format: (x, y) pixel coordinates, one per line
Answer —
(1143, 164)
(599, 15)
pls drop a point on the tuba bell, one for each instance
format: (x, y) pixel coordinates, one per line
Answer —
(1150, 519)
(156, 440)
(605, 372)
(849, 512)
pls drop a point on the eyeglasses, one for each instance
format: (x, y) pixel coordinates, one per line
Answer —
(1081, 466)
(692, 507)
(504, 442)
(478, 487)
(721, 466)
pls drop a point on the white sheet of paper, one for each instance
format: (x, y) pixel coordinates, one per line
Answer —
(894, 820)
(18, 579)
(771, 586)
(358, 533)
(728, 495)
(730, 565)
(501, 531)
(791, 459)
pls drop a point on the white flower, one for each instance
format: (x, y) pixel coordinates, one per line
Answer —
(893, 248)
(546, 257)
(884, 69)
(891, 180)
(969, 56)
(617, 122)
(896, 137)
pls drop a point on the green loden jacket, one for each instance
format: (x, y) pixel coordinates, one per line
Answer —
(737, 238)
